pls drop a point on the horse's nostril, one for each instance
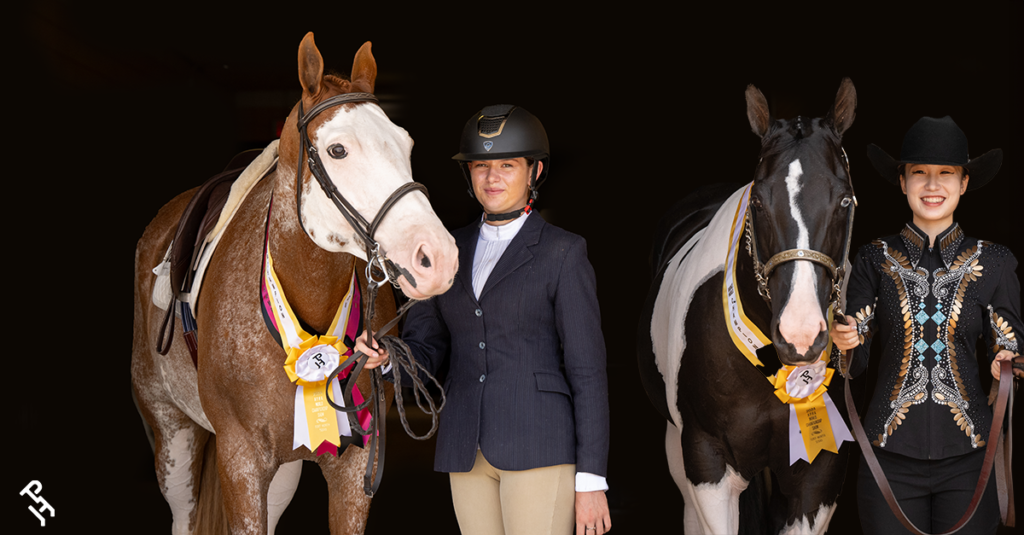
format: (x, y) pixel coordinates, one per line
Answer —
(425, 261)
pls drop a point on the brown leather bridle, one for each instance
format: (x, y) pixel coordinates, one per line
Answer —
(379, 270)
(376, 259)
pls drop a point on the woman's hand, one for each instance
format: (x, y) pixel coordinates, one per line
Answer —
(592, 517)
(845, 337)
(1002, 355)
(376, 356)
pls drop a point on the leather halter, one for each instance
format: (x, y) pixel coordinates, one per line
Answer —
(379, 270)
(837, 270)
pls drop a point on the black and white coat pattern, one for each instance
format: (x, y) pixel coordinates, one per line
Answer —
(724, 423)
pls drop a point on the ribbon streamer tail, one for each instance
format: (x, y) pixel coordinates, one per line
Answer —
(839, 430)
(797, 450)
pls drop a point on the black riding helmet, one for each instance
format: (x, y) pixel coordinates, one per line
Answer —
(504, 131)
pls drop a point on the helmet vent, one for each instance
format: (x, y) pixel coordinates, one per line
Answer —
(491, 126)
(492, 119)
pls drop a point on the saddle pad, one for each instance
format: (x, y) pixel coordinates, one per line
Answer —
(239, 191)
(240, 188)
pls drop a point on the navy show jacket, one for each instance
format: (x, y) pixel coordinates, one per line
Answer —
(527, 381)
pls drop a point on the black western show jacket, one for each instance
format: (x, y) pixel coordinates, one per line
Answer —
(928, 307)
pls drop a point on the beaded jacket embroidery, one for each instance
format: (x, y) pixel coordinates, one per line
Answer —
(927, 308)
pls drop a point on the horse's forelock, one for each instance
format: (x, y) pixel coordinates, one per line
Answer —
(337, 81)
(787, 135)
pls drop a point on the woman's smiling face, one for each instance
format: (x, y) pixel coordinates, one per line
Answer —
(933, 192)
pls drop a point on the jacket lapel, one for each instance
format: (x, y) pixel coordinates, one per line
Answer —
(515, 255)
(466, 242)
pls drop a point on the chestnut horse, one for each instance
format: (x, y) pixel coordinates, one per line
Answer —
(726, 423)
(240, 396)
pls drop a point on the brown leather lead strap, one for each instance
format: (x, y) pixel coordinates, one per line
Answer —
(1004, 479)
(999, 409)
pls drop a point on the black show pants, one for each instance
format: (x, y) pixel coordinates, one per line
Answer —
(934, 494)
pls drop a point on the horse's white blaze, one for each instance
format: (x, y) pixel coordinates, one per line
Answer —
(817, 526)
(793, 188)
(177, 482)
(378, 163)
(282, 489)
(681, 280)
(801, 319)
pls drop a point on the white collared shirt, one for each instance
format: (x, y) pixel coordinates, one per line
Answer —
(490, 245)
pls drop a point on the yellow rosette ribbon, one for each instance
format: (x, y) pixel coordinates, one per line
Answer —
(812, 415)
(309, 366)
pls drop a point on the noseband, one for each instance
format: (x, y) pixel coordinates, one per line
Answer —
(377, 261)
(837, 270)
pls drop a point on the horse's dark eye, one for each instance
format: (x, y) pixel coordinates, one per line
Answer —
(337, 151)
(756, 203)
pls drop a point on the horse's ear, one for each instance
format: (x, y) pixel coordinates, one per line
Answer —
(757, 111)
(364, 69)
(845, 109)
(311, 67)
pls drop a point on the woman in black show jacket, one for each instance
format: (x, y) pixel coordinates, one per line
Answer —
(524, 434)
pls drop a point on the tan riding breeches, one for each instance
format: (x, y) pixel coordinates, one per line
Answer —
(489, 501)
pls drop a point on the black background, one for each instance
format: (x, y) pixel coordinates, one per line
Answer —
(114, 110)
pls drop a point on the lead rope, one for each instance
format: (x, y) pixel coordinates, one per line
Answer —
(402, 358)
(999, 410)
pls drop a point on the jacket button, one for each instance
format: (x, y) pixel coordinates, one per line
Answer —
(479, 312)
(482, 377)
(482, 345)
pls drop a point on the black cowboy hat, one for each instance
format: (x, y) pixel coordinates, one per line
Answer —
(939, 142)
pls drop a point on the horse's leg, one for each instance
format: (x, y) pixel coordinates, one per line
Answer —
(349, 504)
(246, 469)
(810, 492)
(712, 505)
(178, 452)
(282, 489)
(674, 451)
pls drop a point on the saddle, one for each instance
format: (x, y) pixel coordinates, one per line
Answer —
(184, 261)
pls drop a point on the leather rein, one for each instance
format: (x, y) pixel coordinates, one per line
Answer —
(379, 271)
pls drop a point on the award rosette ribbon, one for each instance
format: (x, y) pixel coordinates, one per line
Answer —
(311, 359)
(814, 422)
(309, 366)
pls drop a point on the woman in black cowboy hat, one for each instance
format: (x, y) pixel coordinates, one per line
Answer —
(928, 294)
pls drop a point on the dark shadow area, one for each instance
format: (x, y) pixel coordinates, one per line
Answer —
(112, 112)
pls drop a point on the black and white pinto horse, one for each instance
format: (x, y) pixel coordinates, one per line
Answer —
(725, 425)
